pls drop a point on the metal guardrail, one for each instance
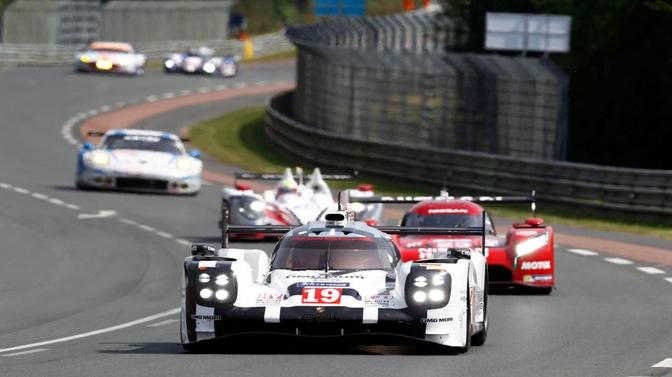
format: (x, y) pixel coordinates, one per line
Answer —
(632, 191)
(51, 54)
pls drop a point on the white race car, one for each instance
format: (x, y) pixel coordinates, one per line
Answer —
(291, 202)
(203, 61)
(335, 280)
(139, 160)
(114, 57)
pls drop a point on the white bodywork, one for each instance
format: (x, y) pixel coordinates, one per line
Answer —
(308, 203)
(259, 287)
(116, 57)
(105, 168)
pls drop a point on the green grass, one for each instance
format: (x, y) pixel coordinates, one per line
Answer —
(237, 138)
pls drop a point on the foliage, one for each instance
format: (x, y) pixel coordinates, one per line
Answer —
(620, 70)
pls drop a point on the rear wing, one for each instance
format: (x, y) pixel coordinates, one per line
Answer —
(392, 230)
(298, 177)
(446, 197)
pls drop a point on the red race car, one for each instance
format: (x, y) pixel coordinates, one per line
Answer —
(524, 258)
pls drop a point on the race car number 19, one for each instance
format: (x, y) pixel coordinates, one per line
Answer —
(321, 295)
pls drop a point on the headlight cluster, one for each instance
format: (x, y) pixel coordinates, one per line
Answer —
(428, 289)
(531, 244)
(183, 163)
(220, 288)
(100, 158)
(209, 67)
(251, 208)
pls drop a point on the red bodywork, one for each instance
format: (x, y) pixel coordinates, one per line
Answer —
(525, 257)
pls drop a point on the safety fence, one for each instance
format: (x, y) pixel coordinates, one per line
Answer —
(389, 79)
(45, 55)
(645, 193)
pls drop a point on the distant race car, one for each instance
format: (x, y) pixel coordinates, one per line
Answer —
(523, 258)
(114, 57)
(335, 280)
(291, 202)
(201, 61)
(139, 160)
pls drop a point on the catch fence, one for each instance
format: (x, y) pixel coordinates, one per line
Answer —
(390, 79)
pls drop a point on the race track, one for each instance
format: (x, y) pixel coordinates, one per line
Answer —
(90, 281)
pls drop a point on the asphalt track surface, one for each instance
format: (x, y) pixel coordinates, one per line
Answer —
(91, 293)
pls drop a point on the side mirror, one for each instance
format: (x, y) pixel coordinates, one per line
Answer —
(195, 153)
(88, 146)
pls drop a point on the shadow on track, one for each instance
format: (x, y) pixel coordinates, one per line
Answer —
(267, 349)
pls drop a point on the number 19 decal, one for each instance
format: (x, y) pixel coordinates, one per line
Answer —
(321, 295)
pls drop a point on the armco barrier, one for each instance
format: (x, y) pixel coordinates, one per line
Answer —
(633, 191)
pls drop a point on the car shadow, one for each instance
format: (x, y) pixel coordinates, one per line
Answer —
(225, 348)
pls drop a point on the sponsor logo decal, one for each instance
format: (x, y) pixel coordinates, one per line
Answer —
(540, 265)
(207, 317)
(339, 277)
(332, 284)
(377, 301)
(269, 299)
(537, 278)
(436, 320)
(447, 210)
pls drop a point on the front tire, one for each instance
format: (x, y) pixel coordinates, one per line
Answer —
(467, 344)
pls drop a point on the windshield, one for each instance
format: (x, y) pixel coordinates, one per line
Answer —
(340, 253)
(109, 50)
(143, 142)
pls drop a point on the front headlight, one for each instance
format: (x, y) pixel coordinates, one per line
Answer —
(428, 289)
(169, 64)
(222, 287)
(183, 163)
(251, 208)
(100, 158)
(124, 61)
(209, 67)
(85, 59)
(531, 244)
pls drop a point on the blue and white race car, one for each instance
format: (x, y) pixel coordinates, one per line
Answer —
(203, 61)
(139, 160)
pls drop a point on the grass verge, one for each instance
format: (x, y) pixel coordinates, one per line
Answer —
(237, 138)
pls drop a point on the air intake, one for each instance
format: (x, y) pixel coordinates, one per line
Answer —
(335, 216)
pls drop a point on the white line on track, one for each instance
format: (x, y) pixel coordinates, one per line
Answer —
(129, 222)
(651, 270)
(164, 234)
(21, 190)
(185, 92)
(206, 183)
(152, 98)
(240, 85)
(203, 89)
(280, 83)
(93, 112)
(147, 228)
(221, 87)
(261, 83)
(39, 196)
(183, 242)
(5, 186)
(669, 280)
(95, 332)
(120, 104)
(166, 322)
(56, 201)
(168, 95)
(582, 252)
(72, 206)
(26, 352)
(618, 261)
(667, 363)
